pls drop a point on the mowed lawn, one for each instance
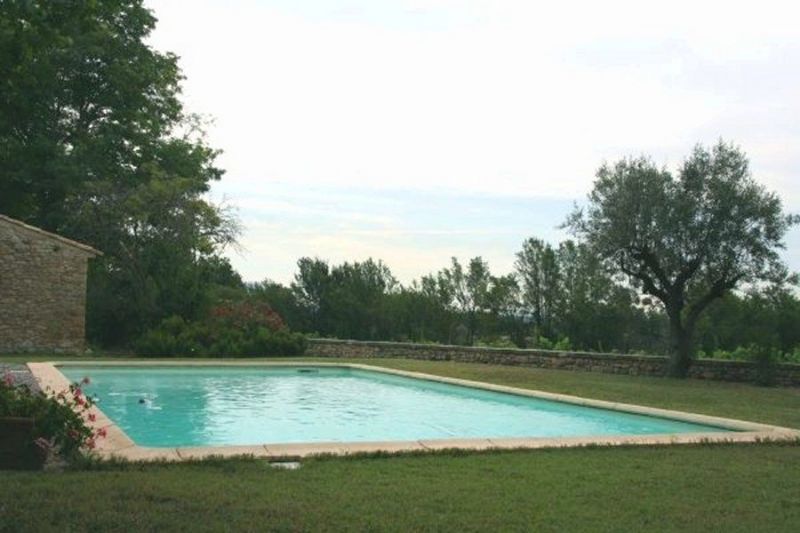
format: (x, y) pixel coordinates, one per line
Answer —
(672, 488)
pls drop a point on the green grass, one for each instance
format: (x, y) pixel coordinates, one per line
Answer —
(704, 488)
(672, 488)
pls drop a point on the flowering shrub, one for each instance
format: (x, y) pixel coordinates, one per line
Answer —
(247, 316)
(239, 329)
(61, 420)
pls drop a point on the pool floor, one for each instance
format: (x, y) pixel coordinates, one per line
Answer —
(168, 406)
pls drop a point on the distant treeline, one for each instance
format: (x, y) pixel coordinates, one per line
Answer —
(96, 145)
(557, 297)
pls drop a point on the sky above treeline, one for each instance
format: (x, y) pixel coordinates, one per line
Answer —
(413, 131)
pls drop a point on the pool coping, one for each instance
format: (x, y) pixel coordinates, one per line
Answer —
(118, 444)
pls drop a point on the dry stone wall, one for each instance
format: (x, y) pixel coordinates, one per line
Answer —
(42, 290)
(635, 365)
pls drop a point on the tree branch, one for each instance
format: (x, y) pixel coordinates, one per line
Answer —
(688, 271)
(648, 284)
(717, 290)
(651, 262)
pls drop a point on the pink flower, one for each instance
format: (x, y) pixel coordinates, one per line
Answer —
(43, 443)
(92, 417)
(79, 401)
(101, 432)
(8, 378)
(77, 392)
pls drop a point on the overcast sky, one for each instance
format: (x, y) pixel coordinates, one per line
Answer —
(412, 131)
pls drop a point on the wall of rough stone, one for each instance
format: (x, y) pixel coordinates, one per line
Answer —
(42, 291)
(635, 365)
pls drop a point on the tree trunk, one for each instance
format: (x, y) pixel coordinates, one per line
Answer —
(681, 354)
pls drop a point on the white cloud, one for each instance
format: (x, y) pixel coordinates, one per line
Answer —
(511, 98)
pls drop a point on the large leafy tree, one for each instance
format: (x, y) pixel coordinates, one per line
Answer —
(476, 294)
(95, 144)
(345, 300)
(311, 287)
(687, 239)
(358, 298)
(435, 320)
(594, 310)
(470, 290)
(538, 270)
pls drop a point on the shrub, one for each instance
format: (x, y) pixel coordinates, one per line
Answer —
(751, 353)
(246, 316)
(764, 359)
(501, 342)
(157, 342)
(236, 329)
(563, 344)
(60, 421)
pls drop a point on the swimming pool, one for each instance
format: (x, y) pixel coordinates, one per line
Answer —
(171, 406)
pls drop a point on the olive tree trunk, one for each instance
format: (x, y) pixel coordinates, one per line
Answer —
(681, 346)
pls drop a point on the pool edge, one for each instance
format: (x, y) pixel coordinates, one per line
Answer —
(118, 444)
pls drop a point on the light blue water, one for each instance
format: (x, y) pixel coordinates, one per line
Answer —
(185, 406)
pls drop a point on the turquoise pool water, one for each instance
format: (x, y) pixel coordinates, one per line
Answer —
(194, 406)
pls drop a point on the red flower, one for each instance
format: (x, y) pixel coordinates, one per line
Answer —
(77, 392)
(92, 417)
(101, 432)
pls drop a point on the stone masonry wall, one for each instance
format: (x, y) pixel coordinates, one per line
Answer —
(42, 291)
(635, 365)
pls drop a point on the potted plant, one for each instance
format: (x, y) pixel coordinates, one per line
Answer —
(18, 449)
(37, 426)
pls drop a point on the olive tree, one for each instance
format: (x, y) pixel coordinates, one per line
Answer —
(685, 239)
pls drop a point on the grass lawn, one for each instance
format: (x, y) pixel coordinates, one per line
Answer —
(711, 487)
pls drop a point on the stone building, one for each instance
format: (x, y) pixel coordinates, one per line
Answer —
(42, 290)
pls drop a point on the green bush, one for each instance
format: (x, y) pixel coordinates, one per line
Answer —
(60, 421)
(216, 338)
(543, 343)
(500, 342)
(753, 352)
(764, 359)
(156, 342)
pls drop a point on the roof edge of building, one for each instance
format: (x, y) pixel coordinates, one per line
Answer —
(75, 244)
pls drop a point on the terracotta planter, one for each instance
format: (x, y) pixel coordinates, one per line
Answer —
(17, 449)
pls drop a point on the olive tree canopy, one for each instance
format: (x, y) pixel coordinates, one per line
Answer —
(686, 239)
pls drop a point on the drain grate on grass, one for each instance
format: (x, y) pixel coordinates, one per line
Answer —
(285, 465)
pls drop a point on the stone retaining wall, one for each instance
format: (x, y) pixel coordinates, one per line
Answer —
(635, 365)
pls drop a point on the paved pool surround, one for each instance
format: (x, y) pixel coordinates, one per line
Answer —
(118, 444)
